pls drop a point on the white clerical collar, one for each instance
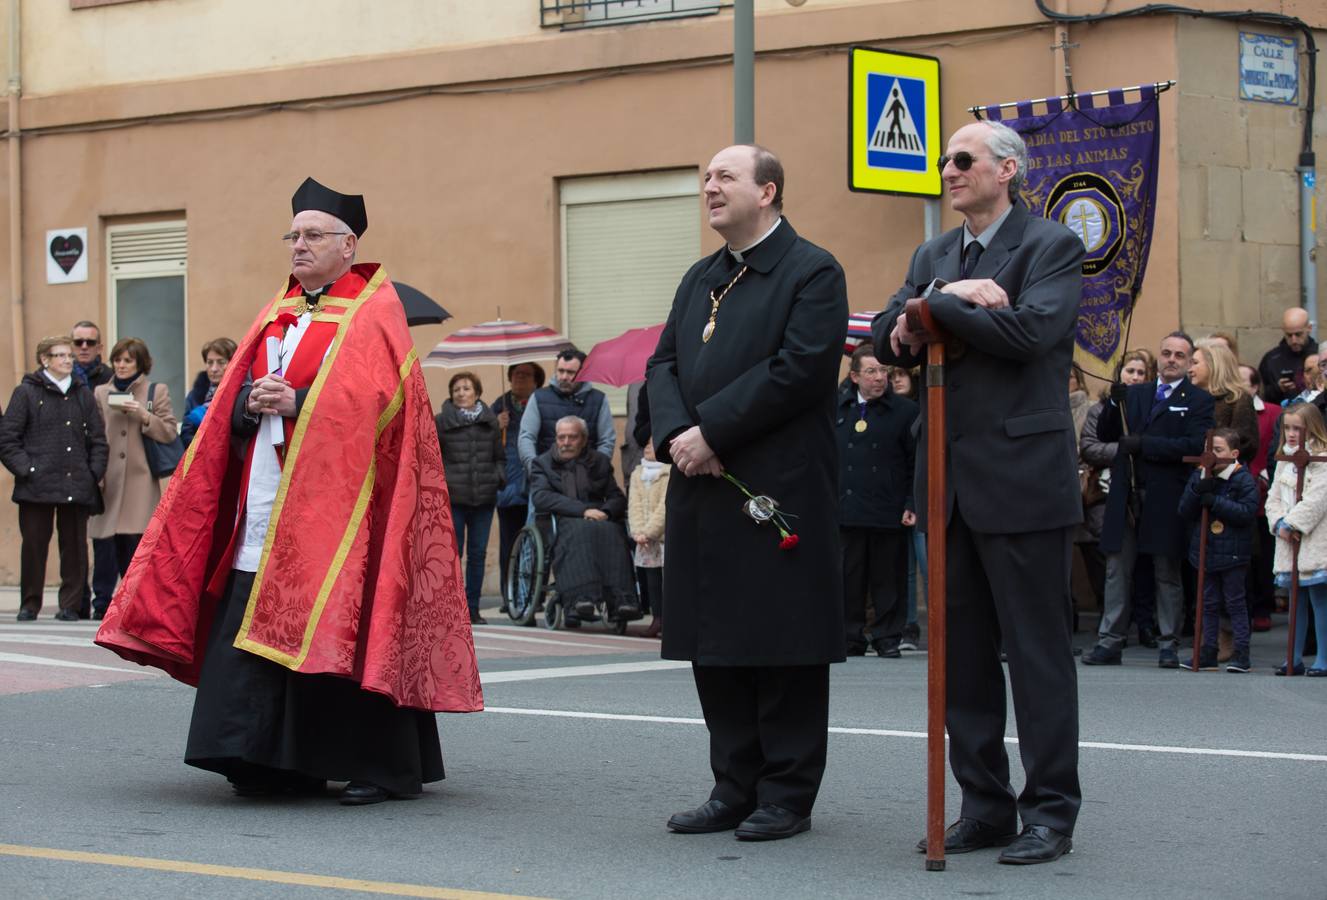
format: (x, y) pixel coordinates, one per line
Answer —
(62, 383)
(988, 233)
(738, 254)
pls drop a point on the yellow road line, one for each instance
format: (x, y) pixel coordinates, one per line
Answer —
(269, 875)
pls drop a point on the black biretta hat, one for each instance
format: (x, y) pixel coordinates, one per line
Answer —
(349, 208)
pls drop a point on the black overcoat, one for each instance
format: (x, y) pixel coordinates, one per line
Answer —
(1171, 431)
(762, 391)
(54, 443)
(876, 466)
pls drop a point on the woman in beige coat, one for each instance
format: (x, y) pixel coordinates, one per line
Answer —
(645, 522)
(130, 490)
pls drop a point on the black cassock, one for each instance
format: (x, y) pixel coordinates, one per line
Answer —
(762, 391)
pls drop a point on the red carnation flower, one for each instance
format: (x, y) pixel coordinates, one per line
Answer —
(285, 320)
(789, 542)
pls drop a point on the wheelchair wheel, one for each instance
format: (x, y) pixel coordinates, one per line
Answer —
(553, 615)
(526, 573)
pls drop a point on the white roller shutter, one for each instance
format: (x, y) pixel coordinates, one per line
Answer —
(627, 242)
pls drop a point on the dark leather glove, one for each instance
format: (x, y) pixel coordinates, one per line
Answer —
(1131, 444)
(1207, 500)
(1118, 392)
(1206, 485)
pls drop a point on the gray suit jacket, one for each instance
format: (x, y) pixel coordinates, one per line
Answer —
(1012, 456)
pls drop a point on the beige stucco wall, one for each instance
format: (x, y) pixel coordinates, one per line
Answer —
(461, 177)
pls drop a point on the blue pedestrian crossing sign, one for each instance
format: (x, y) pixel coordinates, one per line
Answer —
(894, 116)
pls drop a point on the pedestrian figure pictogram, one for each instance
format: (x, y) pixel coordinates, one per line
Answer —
(896, 129)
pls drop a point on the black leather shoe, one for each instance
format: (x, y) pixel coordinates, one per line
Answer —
(361, 793)
(967, 835)
(710, 816)
(1037, 844)
(1168, 659)
(26, 615)
(65, 615)
(1101, 656)
(888, 650)
(585, 609)
(627, 611)
(772, 823)
(1147, 637)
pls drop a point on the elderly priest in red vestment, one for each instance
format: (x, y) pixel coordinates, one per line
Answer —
(301, 569)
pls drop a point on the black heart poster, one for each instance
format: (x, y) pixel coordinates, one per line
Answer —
(66, 255)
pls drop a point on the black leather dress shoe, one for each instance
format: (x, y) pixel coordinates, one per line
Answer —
(65, 615)
(26, 615)
(967, 835)
(772, 823)
(361, 793)
(710, 816)
(1037, 844)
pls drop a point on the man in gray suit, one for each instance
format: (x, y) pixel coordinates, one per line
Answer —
(1005, 288)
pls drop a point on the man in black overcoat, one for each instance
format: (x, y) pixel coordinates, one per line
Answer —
(743, 381)
(1005, 288)
(876, 463)
(1168, 420)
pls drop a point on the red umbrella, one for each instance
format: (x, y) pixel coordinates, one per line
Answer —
(620, 361)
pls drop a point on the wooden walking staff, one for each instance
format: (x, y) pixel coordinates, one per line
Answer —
(1301, 458)
(1206, 461)
(920, 323)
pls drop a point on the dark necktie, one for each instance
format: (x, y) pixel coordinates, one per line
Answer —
(971, 254)
(1163, 392)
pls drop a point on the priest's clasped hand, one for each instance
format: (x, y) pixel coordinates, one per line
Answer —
(693, 455)
(272, 395)
(979, 292)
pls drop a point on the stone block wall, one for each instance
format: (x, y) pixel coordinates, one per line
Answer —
(1239, 195)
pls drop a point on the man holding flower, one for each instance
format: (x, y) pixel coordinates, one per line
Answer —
(742, 385)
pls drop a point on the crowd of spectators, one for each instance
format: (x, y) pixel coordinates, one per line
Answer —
(75, 435)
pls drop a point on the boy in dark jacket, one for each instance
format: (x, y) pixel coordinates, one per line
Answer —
(1231, 498)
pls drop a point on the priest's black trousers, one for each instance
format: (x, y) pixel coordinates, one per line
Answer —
(769, 733)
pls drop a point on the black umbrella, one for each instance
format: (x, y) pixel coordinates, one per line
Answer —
(420, 309)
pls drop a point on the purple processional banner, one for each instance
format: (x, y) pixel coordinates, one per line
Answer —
(1095, 171)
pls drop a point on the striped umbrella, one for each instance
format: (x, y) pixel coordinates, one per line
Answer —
(859, 330)
(499, 343)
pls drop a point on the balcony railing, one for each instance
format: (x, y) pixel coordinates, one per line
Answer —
(569, 14)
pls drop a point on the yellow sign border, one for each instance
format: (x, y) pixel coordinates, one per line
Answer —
(862, 63)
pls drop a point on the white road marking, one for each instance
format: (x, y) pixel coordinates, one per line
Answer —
(506, 634)
(885, 732)
(652, 665)
(63, 663)
(50, 640)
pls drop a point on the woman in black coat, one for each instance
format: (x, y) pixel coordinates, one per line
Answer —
(474, 461)
(52, 439)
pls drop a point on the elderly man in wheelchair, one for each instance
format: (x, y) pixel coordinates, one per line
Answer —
(578, 504)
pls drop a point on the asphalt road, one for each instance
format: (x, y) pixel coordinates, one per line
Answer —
(1195, 785)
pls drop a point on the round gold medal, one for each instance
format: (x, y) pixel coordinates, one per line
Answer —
(860, 426)
(1218, 527)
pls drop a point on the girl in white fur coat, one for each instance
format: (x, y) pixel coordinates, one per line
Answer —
(1302, 522)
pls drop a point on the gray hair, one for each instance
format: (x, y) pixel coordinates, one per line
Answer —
(1005, 143)
(574, 420)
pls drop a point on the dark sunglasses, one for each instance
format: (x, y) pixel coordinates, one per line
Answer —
(86, 342)
(962, 161)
